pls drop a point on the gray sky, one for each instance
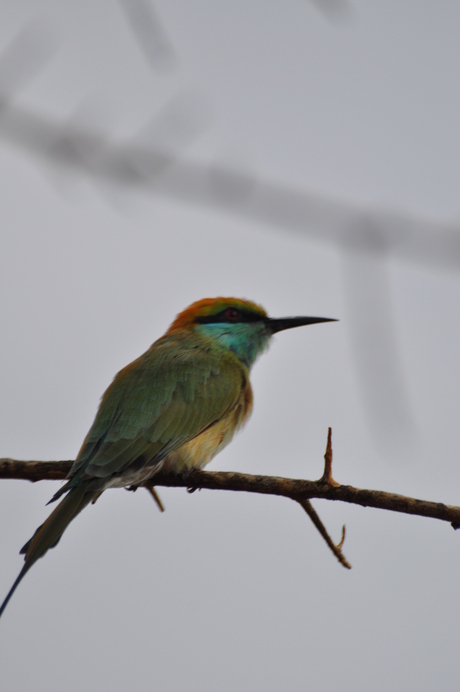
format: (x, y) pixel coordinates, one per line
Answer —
(349, 130)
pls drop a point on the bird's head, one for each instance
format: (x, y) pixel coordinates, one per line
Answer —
(238, 325)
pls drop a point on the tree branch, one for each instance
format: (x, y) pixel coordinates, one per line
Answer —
(301, 491)
(243, 482)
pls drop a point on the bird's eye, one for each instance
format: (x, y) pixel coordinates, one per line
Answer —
(232, 314)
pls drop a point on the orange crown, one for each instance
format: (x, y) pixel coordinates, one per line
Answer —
(210, 306)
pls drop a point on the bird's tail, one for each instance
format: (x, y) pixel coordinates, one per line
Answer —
(48, 534)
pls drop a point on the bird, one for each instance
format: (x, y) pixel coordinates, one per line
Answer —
(173, 408)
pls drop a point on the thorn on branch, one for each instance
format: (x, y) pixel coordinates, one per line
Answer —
(327, 475)
(336, 549)
(151, 490)
(156, 497)
(342, 540)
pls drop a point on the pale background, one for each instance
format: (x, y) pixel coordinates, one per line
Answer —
(355, 111)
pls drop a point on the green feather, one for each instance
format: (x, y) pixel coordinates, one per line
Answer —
(183, 384)
(165, 398)
(49, 533)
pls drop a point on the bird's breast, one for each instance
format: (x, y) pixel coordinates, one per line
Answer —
(197, 453)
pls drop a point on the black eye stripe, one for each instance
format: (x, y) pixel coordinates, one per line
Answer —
(222, 316)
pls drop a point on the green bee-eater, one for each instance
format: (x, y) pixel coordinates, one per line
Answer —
(173, 408)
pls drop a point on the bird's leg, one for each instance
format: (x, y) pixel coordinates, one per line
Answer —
(327, 475)
(187, 474)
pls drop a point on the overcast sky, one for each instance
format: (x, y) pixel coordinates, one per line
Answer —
(311, 162)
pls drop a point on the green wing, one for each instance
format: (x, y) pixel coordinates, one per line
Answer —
(163, 399)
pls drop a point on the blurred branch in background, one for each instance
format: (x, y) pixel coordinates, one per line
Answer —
(153, 161)
(168, 133)
(147, 29)
(373, 333)
(25, 58)
(336, 11)
(281, 207)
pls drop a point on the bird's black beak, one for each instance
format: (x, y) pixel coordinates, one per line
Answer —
(278, 324)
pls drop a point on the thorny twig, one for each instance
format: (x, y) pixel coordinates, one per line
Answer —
(327, 479)
(156, 497)
(296, 489)
(336, 549)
